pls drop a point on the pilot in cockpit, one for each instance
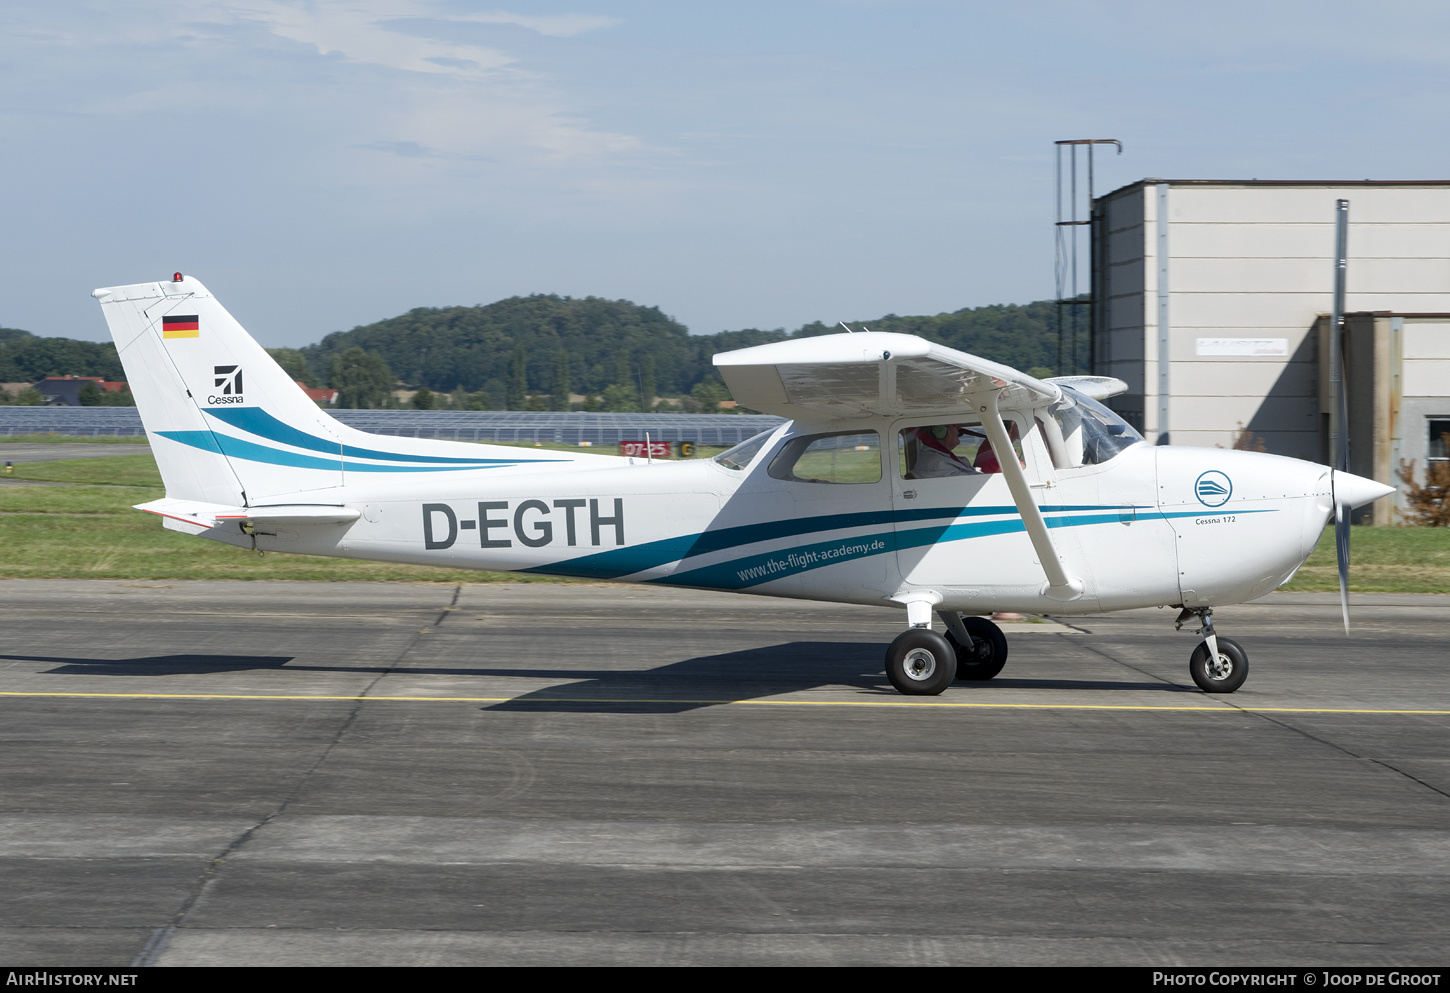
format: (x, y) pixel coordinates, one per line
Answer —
(933, 455)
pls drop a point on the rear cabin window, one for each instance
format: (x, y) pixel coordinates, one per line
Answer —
(830, 458)
(739, 457)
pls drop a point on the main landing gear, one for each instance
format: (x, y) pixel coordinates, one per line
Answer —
(1218, 665)
(921, 662)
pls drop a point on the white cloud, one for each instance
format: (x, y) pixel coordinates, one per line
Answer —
(557, 25)
(366, 31)
(418, 79)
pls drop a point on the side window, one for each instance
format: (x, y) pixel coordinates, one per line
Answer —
(830, 458)
(931, 450)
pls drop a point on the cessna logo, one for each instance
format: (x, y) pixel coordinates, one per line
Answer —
(229, 382)
(533, 523)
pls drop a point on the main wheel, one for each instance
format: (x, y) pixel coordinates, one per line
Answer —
(1224, 674)
(988, 653)
(920, 662)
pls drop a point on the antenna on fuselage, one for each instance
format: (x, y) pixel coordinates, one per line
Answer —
(846, 326)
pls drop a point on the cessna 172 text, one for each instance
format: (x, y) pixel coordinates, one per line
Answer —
(871, 492)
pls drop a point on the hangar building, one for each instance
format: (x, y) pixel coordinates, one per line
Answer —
(1211, 299)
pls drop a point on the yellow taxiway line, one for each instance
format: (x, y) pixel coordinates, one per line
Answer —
(1224, 707)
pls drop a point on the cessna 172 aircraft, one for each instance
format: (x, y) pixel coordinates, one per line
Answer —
(864, 496)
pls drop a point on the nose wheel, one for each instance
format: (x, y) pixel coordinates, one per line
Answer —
(1217, 665)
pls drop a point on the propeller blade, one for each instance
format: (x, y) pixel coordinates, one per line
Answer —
(1341, 548)
(1342, 501)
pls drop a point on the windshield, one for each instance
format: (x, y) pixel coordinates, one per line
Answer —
(744, 453)
(1104, 433)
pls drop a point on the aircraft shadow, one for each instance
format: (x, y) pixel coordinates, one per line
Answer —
(157, 665)
(711, 680)
(706, 681)
(690, 684)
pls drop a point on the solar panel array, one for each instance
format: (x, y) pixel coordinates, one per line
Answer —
(558, 427)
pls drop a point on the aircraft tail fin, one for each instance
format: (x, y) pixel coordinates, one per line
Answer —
(229, 427)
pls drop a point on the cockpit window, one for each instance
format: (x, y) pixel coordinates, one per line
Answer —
(1091, 428)
(830, 458)
(741, 455)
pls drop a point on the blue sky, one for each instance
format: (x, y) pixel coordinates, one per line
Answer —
(329, 163)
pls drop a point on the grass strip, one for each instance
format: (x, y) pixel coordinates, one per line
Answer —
(110, 470)
(50, 438)
(1381, 560)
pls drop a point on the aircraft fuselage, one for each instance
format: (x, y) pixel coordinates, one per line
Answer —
(1151, 526)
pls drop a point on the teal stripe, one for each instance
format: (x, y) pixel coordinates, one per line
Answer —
(637, 558)
(225, 444)
(204, 440)
(255, 420)
(766, 567)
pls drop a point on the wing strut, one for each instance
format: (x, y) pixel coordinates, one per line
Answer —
(1059, 586)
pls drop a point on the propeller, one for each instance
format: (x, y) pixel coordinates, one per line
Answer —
(1341, 548)
(1341, 406)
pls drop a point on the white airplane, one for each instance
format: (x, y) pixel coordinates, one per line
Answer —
(845, 502)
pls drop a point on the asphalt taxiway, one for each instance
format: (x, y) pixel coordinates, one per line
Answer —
(309, 773)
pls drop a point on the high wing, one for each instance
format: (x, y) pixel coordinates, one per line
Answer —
(872, 372)
(875, 373)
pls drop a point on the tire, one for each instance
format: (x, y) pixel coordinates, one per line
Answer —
(1228, 675)
(988, 653)
(920, 662)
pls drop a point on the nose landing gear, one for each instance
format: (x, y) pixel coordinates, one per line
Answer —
(1217, 665)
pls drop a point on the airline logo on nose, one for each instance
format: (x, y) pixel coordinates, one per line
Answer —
(1213, 488)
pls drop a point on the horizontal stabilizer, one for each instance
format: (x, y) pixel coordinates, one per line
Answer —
(195, 514)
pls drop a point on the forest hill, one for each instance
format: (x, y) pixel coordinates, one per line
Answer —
(552, 352)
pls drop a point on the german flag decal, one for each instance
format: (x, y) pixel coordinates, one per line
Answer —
(181, 327)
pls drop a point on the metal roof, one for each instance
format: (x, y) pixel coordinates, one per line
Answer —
(568, 428)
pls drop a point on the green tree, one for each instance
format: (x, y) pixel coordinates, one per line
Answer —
(559, 391)
(30, 397)
(620, 398)
(294, 364)
(362, 380)
(518, 379)
(91, 395)
(425, 399)
(708, 395)
(621, 369)
(118, 398)
(647, 384)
